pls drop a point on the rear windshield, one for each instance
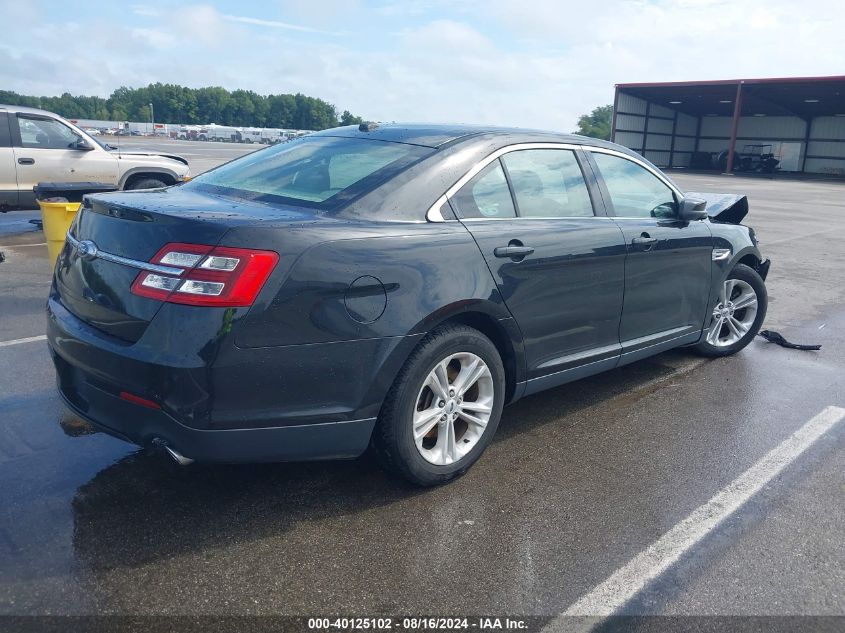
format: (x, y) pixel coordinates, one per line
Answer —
(320, 171)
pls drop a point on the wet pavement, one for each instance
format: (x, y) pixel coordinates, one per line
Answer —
(578, 481)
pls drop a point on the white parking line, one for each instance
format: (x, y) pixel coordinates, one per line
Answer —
(28, 339)
(22, 245)
(626, 582)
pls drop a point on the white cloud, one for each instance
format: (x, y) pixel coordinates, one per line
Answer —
(15, 12)
(145, 10)
(418, 8)
(275, 24)
(447, 37)
(156, 38)
(533, 63)
(320, 12)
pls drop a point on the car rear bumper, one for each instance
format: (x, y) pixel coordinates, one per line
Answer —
(271, 404)
(144, 427)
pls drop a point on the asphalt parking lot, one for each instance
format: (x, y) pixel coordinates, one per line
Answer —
(579, 481)
(201, 156)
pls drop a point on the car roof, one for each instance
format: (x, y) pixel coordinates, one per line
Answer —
(438, 135)
(24, 109)
(426, 134)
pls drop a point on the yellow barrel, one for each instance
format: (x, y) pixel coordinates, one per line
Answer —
(57, 217)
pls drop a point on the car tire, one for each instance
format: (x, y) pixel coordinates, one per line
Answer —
(738, 314)
(460, 420)
(146, 183)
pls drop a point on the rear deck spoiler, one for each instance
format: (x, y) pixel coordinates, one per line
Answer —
(728, 208)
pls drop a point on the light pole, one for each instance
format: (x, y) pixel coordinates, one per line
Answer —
(152, 120)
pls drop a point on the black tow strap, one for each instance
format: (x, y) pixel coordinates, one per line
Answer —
(774, 337)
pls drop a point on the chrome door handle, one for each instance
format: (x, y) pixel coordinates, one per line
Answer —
(26, 161)
(513, 251)
(644, 243)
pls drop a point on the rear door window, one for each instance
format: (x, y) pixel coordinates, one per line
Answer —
(548, 183)
(486, 195)
(317, 171)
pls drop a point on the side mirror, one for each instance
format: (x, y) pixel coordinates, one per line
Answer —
(691, 209)
(82, 145)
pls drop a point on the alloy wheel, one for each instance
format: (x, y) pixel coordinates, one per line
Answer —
(734, 314)
(453, 408)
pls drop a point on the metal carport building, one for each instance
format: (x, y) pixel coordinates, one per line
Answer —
(726, 125)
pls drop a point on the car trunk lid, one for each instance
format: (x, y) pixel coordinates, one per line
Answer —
(125, 231)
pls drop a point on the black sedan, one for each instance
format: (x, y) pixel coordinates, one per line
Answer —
(387, 286)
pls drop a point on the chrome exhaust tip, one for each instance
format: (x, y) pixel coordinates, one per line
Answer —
(178, 457)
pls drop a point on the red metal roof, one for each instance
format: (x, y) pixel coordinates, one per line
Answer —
(733, 82)
(806, 97)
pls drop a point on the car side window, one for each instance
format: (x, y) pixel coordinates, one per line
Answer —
(548, 183)
(634, 191)
(487, 195)
(45, 133)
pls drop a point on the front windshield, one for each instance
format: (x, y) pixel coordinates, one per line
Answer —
(316, 171)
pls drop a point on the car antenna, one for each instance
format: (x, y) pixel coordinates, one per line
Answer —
(120, 129)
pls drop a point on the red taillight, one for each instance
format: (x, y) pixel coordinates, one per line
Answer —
(131, 397)
(211, 275)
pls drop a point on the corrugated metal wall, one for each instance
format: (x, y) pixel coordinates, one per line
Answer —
(664, 136)
(785, 134)
(668, 138)
(826, 149)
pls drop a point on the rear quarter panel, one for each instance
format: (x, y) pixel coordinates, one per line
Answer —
(392, 280)
(313, 318)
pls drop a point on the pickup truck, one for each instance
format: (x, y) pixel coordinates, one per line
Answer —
(39, 146)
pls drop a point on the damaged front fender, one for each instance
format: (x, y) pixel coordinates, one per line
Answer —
(727, 208)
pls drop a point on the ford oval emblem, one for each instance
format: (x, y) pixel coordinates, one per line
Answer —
(86, 249)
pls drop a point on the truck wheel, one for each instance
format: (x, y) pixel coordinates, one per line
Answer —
(443, 409)
(738, 314)
(145, 183)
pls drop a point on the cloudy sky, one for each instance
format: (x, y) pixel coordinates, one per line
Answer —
(537, 63)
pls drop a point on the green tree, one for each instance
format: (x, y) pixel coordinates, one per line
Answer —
(597, 123)
(240, 109)
(280, 111)
(313, 114)
(118, 114)
(188, 107)
(347, 118)
(179, 104)
(119, 103)
(211, 104)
